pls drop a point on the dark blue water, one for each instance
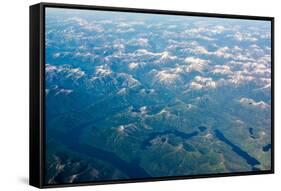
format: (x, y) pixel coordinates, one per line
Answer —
(202, 128)
(266, 147)
(250, 160)
(251, 130)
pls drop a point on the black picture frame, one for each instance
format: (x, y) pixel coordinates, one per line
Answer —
(37, 87)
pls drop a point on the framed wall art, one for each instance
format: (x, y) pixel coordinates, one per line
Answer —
(129, 95)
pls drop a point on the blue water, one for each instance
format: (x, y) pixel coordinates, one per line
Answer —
(266, 147)
(250, 160)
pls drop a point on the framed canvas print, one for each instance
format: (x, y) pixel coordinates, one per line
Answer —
(127, 95)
